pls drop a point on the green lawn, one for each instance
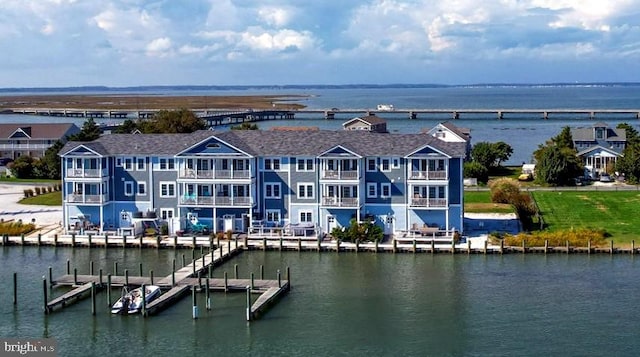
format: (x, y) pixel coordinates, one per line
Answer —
(17, 180)
(47, 199)
(480, 202)
(614, 211)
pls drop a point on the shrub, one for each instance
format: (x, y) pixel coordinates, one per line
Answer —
(575, 237)
(504, 190)
(220, 235)
(38, 191)
(16, 228)
(49, 189)
(28, 192)
(475, 169)
(164, 229)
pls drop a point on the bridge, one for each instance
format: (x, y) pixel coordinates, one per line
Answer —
(215, 117)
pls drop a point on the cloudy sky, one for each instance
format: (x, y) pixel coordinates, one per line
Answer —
(230, 42)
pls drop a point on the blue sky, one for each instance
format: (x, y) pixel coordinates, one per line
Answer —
(242, 42)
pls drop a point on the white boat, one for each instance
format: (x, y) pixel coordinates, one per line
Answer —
(131, 301)
(386, 107)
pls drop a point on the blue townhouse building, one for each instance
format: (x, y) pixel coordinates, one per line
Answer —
(228, 180)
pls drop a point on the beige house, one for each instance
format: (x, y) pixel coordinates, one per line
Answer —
(371, 123)
(32, 139)
(451, 133)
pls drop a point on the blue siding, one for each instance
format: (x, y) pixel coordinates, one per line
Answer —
(455, 181)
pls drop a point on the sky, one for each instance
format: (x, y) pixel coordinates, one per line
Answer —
(58, 43)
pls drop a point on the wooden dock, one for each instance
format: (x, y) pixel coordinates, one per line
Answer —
(175, 285)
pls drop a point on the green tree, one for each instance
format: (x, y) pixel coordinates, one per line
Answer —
(632, 135)
(23, 167)
(491, 155)
(474, 169)
(127, 127)
(90, 131)
(172, 121)
(564, 139)
(557, 166)
(49, 164)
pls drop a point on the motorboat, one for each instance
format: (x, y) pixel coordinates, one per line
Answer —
(385, 107)
(131, 301)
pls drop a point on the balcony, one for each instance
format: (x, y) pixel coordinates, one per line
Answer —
(214, 174)
(209, 201)
(428, 175)
(428, 202)
(340, 175)
(90, 199)
(85, 173)
(340, 202)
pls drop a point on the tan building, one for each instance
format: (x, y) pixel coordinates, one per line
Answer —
(371, 123)
(32, 139)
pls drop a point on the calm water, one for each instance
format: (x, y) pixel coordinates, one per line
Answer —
(351, 304)
(523, 132)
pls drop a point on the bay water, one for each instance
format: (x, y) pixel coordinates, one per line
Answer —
(347, 304)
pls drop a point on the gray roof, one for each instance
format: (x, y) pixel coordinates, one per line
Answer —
(463, 133)
(369, 119)
(51, 131)
(271, 143)
(588, 134)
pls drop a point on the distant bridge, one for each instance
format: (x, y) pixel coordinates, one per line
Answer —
(215, 117)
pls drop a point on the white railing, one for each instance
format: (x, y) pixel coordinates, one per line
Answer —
(79, 198)
(428, 175)
(428, 202)
(192, 200)
(340, 175)
(91, 173)
(339, 202)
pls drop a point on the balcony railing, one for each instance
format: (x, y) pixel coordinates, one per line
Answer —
(210, 174)
(79, 198)
(340, 175)
(191, 200)
(89, 173)
(428, 202)
(339, 202)
(428, 175)
(24, 146)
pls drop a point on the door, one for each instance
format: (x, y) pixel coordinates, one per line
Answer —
(388, 225)
(331, 223)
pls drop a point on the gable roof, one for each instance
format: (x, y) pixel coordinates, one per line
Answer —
(271, 143)
(369, 119)
(47, 131)
(588, 133)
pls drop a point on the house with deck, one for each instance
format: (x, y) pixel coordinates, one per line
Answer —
(599, 147)
(370, 122)
(32, 139)
(450, 132)
(239, 180)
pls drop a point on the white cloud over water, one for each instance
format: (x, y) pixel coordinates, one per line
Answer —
(140, 42)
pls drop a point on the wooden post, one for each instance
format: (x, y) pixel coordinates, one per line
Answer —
(109, 290)
(485, 248)
(210, 271)
(89, 237)
(279, 279)
(289, 276)
(151, 276)
(501, 246)
(228, 247)
(75, 276)
(207, 295)
(319, 245)
(143, 311)
(193, 242)
(414, 246)
(300, 244)
(46, 299)
(567, 244)
(15, 290)
(140, 268)
(235, 271)
(93, 298)
(252, 281)
(91, 267)
(175, 242)
(248, 303)
(50, 276)
(115, 268)
(589, 247)
(524, 248)
(22, 239)
(264, 243)
(158, 240)
(124, 241)
(433, 246)
(100, 278)
(39, 239)
(73, 239)
(376, 246)
(106, 240)
(546, 246)
(183, 261)
(236, 242)
(453, 245)
(633, 247)
(395, 245)
(611, 247)
(261, 272)
(210, 243)
(468, 247)
(226, 282)
(194, 313)
(55, 240)
(68, 267)
(140, 243)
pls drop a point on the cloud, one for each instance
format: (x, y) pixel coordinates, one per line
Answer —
(160, 47)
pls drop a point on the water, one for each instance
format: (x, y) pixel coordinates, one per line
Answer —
(523, 132)
(350, 304)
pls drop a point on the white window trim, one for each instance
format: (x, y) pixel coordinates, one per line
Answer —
(131, 160)
(375, 165)
(382, 160)
(144, 184)
(305, 168)
(144, 163)
(375, 190)
(306, 185)
(168, 183)
(305, 212)
(395, 163)
(272, 161)
(166, 160)
(271, 211)
(129, 188)
(164, 213)
(272, 184)
(382, 186)
(118, 162)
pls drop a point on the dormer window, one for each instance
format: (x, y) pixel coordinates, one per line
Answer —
(600, 133)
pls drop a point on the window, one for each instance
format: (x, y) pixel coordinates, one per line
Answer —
(385, 190)
(167, 164)
(128, 163)
(305, 164)
(140, 164)
(167, 189)
(273, 215)
(371, 165)
(305, 190)
(118, 162)
(386, 167)
(142, 188)
(372, 190)
(272, 164)
(396, 163)
(306, 216)
(128, 188)
(272, 190)
(166, 213)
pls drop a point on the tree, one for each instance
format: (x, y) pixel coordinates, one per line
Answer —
(564, 139)
(90, 131)
(127, 127)
(491, 155)
(557, 166)
(23, 167)
(632, 135)
(172, 121)
(49, 164)
(474, 169)
(245, 126)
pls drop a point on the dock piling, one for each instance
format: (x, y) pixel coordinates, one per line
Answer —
(50, 277)
(261, 272)
(15, 290)
(140, 266)
(75, 276)
(109, 290)
(248, 303)
(151, 276)
(68, 267)
(289, 276)
(226, 282)
(208, 295)
(93, 298)
(91, 268)
(100, 278)
(194, 311)
(252, 281)
(144, 301)
(44, 290)
(235, 271)
(115, 268)
(279, 279)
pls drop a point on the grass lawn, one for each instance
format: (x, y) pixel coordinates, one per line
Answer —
(47, 199)
(17, 180)
(615, 212)
(480, 202)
